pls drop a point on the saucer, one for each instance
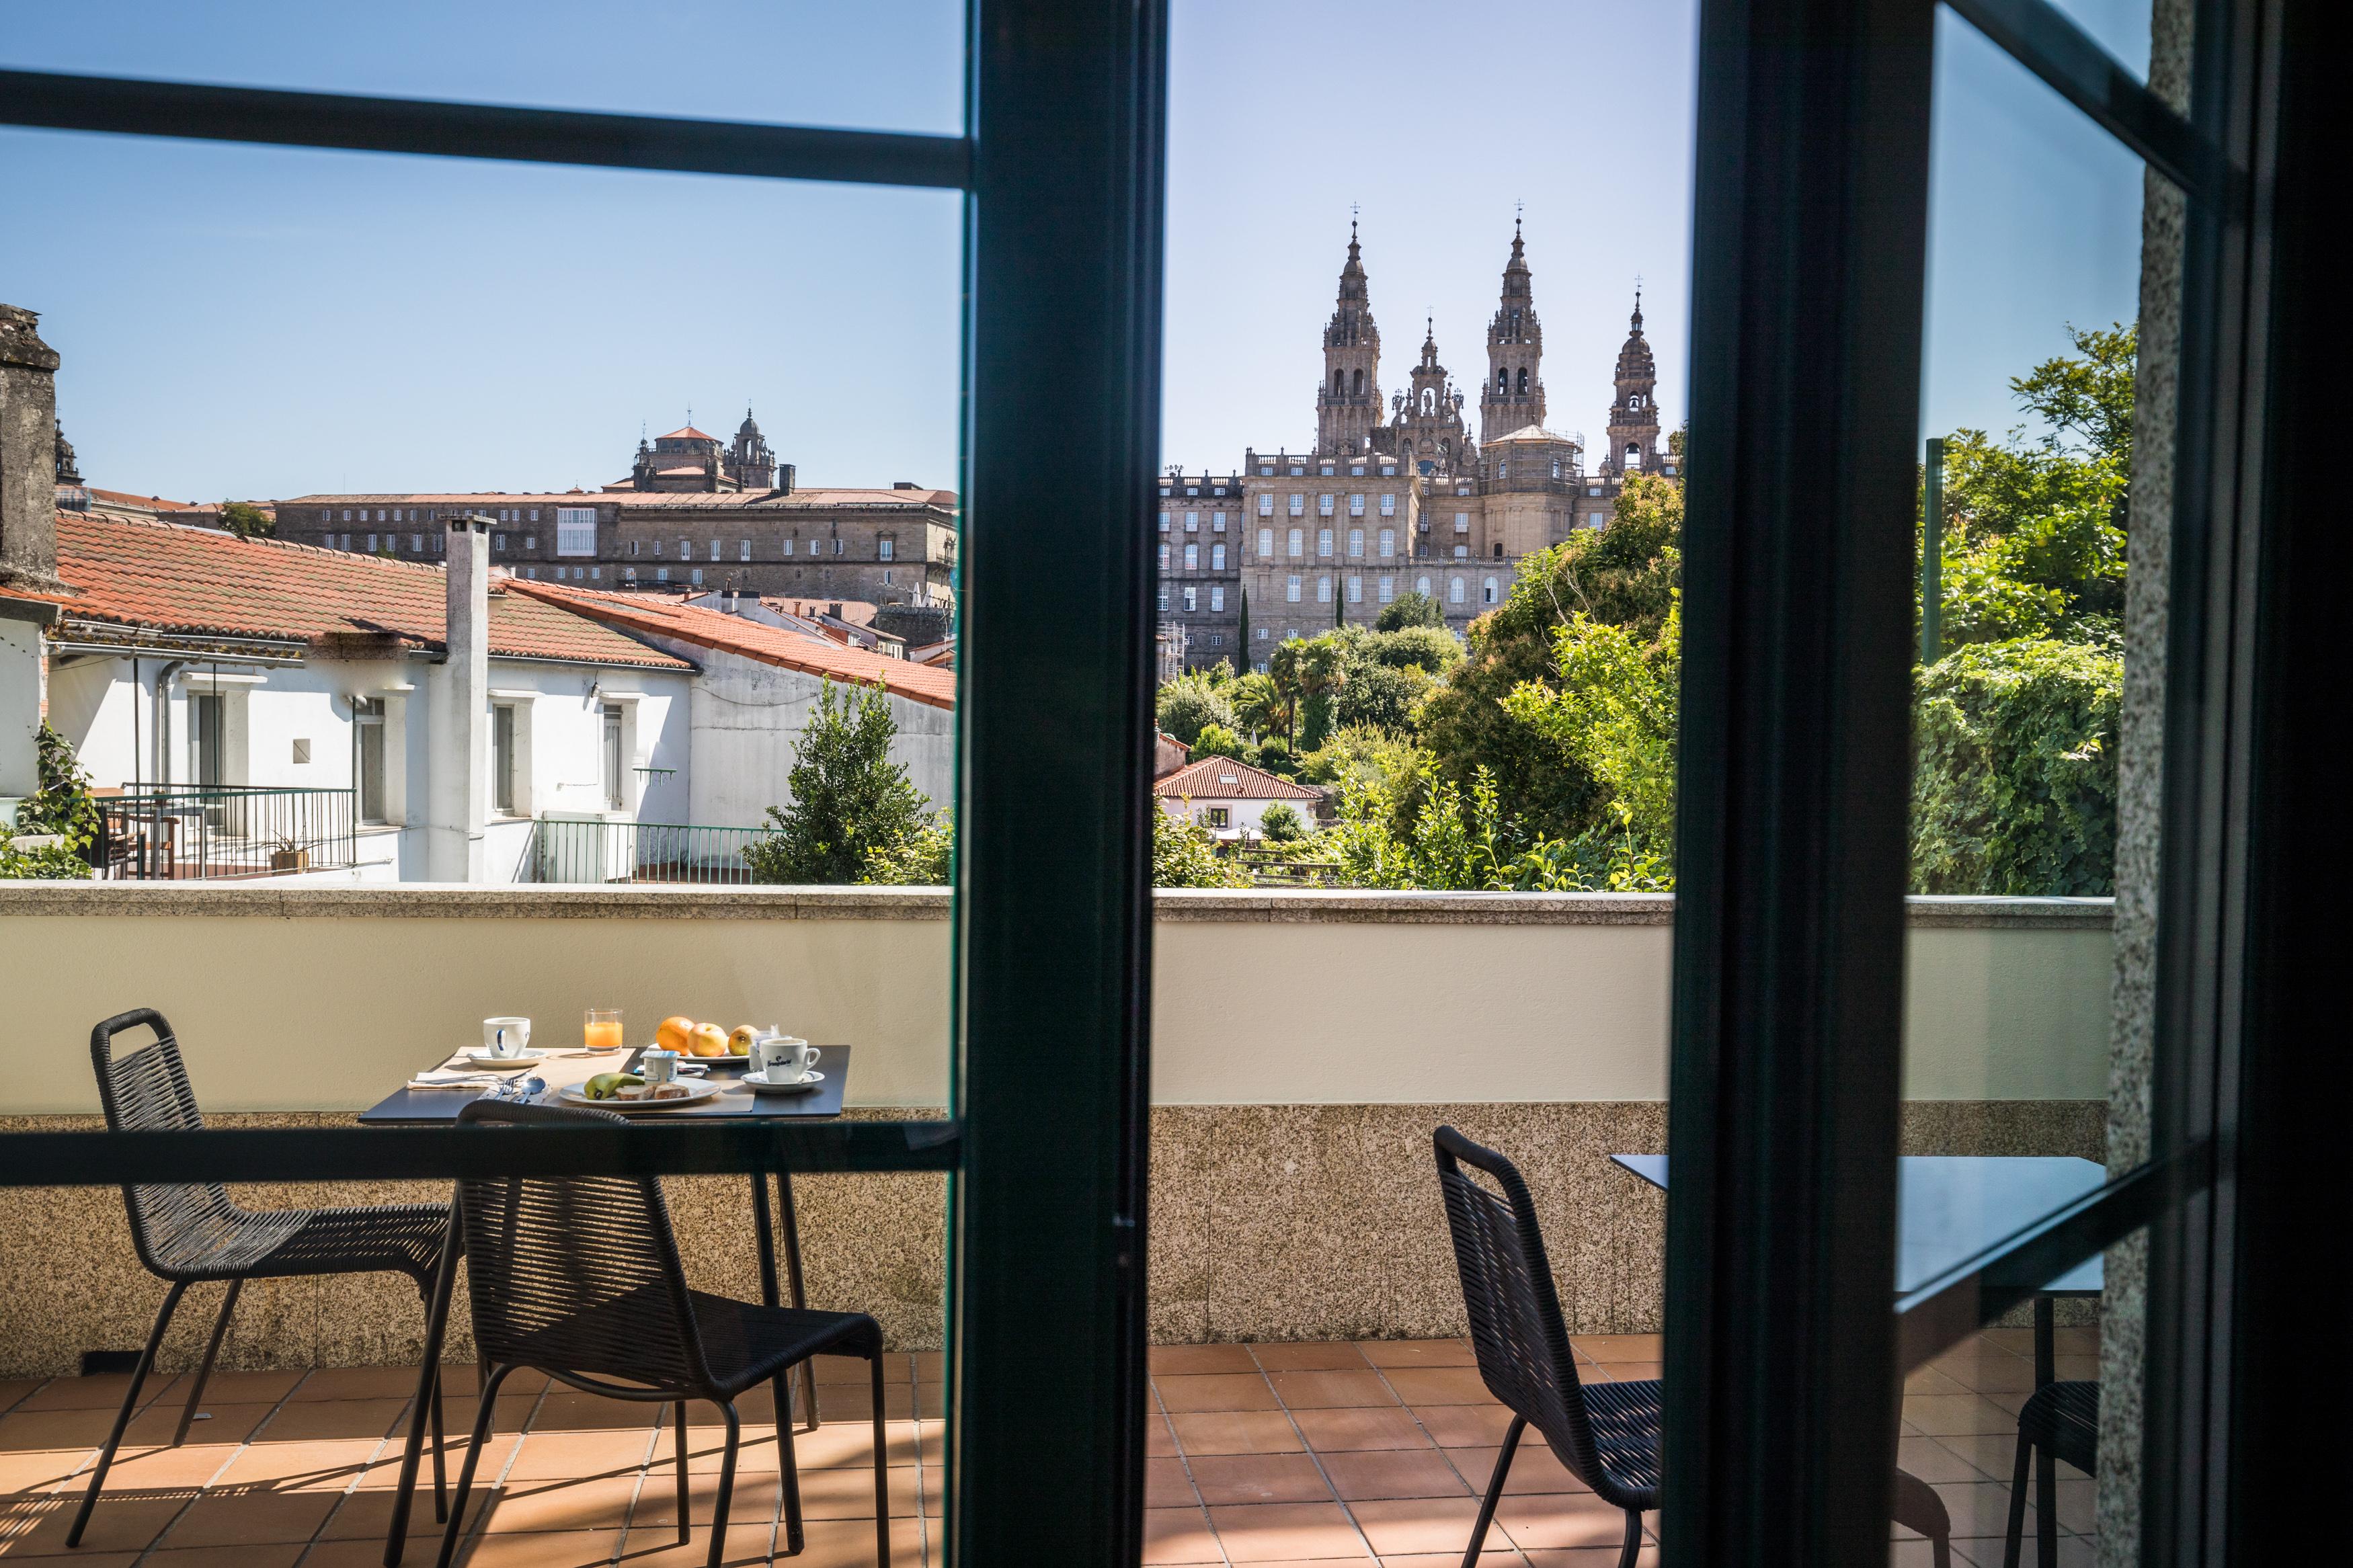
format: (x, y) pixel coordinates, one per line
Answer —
(757, 1082)
(488, 1059)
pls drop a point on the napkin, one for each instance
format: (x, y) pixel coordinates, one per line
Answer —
(446, 1077)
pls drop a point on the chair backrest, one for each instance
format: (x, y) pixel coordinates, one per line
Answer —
(577, 1273)
(1516, 1329)
(146, 1090)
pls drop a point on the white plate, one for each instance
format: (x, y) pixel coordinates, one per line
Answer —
(698, 1091)
(757, 1082)
(485, 1060)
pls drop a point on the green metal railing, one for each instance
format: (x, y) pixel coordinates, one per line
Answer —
(587, 851)
(170, 832)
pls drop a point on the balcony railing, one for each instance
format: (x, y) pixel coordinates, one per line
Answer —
(166, 832)
(573, 850)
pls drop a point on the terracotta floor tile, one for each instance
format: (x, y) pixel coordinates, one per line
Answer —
(36, 1527)
(166, 1470)
(16, 1390)
(1215, 1392)
(1994, 1454)
(1986, 1372)
(1382, 1473)
(361, 1553)
(1420, 1524)
(280, 1554)
(850, 1444)
(1958, 1415)
(1497, 1550)
(67, 1428)
(366, 1514)
(706, 1449)
(597, 1503)
(1229, 1478)
(1286, 1532)
(856, 1370)
(1929, 1380)
(1418, 1352)
(1166, 1484)
(1607, 1348)
(1595, 1557)
(1534, 1468)
(1439, 1385)
(101, 1392)
(1549, 1520)
(1332, 1390)
(1621, 1372)
(230, 1424)
(756, 1503)
(39, 1469)
(831, 1543)
(371, 1383)
(1344, 1429)
(1178, 1535)
(300, 1467)
(265, 1388)
(263, 1517)
(572, 1411)
(1175, 1361)
(850, 1494)
(310, 1420)
(1159, 1443)
(1235, 1431)
(851, 1401)
(1932, 1461)
(1311, 1356)
(1465, 1425)
(545, 1549)
(574, 1455)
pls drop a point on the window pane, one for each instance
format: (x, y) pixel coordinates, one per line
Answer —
(800, 63)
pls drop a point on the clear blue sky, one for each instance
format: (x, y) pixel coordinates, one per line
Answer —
(263, 321)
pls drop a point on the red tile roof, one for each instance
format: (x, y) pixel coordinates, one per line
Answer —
(716, 629)
(167, 576)
(689, 432)
(156, 502)
(1222, 778)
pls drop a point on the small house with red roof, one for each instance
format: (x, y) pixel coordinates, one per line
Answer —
(1231, 798)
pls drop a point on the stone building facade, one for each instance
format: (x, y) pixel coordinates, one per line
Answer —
(1397, 497)
(693, 515)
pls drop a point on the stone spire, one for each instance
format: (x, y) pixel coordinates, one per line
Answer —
(1348, 403)
(1634, 417)
(1514, 396)
(1428, 433)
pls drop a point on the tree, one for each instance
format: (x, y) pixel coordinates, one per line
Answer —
(1282, 823)
(60, 806)
(1242, 632)
(1623, 575)
(1184, 854)
(849, 800)
(2014, 786)
(1323, 676)
(1430, 648)
(247, 521)
(925, 858)
(1379, 695)
(1410, 609)
(1615, 712)
(1257, 706)
(1284, 674)
(1188, 704)
(1215, 741)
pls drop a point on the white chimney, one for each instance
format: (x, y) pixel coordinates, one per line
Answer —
(458, 764)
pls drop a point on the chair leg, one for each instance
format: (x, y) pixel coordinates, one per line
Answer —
(790, 1463)
(427, 1408)
(1633, 1539)
(683, 1531)
(482, 1419)
(440, 1442)
(122, 1416)
(1494, 1491)
(2017, 1504)
(882, 1467)
(2046, 1508)
(727, 1486)
(204, 1367)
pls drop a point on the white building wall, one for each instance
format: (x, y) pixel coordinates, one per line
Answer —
(20, 707)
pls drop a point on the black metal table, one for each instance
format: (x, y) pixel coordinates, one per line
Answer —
(437, 1107)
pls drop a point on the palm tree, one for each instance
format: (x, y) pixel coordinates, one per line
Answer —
(1322, 671)
(1284, 668)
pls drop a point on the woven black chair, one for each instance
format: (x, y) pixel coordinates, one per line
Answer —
(2058, 1421)
(578, 1277)
(192, 1234)
(1607, 1433)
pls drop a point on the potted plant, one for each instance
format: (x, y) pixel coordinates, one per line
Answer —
(287, 854)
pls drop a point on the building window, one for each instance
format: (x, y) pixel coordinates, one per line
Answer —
(1192, 556)
(1556, 468)
(1504, 468)
(1221, 816)
(1299, 503)
(1322, 590)
(371, 545)
(1356, 542)
(613, 771)
(1164, 519)
(1291, 590)
(1388, 505)
(744, 549)
(1356, 590)
(1265, 543)
(595, 574)
(1461, 523)
(1387, 589)
(686, 550)
(1388, 542)
(1462, 552)
(885, 548)
(1324, 543)
(633, 548)
(661, 573)
(715, 550)
(1164, 601)
(1357, 503)
(1490, 592)
(1634, 458)
(1164, 555)
(503, 758)
(417, 542)
(1217, 556)
(837, 546)
(789, 545)
(1192, 522)
(1266, 499)
(367, 717)
(1324, 505)
(698, 576)
(1217, 597)
(1593, 520)
(1216, 522)
(1454, 591)
(1258, 634)
(1298, 541)
(1192, 599)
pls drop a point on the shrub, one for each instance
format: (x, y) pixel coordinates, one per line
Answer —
(1282, 823)
(1184, 854)
(2014, 791)
(1410, 609)
(849, 799)
(1189, 704)
(1217, 740)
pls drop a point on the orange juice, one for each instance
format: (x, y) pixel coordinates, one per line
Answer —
(601, 1031)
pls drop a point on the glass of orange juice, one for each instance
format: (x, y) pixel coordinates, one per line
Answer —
(601, 1031)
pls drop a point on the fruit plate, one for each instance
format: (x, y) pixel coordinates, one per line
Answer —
(697, 1092)
(686, 1056)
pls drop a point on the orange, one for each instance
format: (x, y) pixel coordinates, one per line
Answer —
(676, 1033)
(708, 1040)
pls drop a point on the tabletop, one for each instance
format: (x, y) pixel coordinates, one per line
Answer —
(1950, 1207)
(430, 1107)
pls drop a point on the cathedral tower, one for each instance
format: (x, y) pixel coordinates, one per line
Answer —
(1634, 417)
(750, 463)
(1428, 433)
(1514, 397)
(1349, 403)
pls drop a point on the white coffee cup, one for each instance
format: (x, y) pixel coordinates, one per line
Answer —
(657, 1066)
(506, 1036)
(782, 1058)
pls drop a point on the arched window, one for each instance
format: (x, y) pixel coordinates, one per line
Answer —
(1524, 381)
(1503, 381)
(1336, 382)
(1499, 555)
(1453, 587)
(1360, 384)
(1515, 326)
(1635, 401)
(1421, 587)
(1633, 454)
(1218, 550)
(1556, 468)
